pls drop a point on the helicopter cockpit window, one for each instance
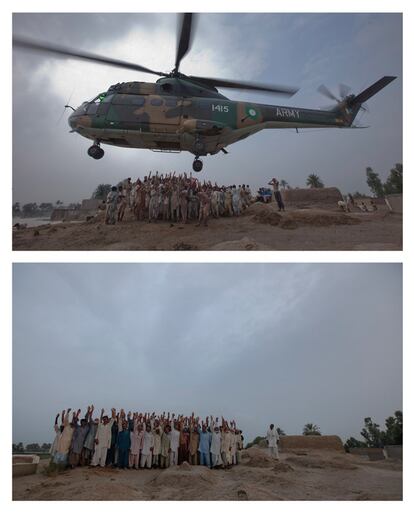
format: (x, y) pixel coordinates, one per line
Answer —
(156, 102)
(92, 108)
(98, 99)
(108, 98)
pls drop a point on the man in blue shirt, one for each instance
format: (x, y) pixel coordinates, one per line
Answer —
(124, 443)
(204, 446)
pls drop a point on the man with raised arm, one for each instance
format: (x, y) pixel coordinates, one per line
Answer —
(123, 444)
(147, 447)
(194, 440)
(215, 448)
(58, 433)
(174, 441)
(78, 439)
(103, 438)
(64, 442)
(89, 443)
(204, 444)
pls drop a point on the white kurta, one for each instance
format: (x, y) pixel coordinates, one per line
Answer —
(175, 439)
(147, 443)
(272, 437)
(104, 434)
(215, 447)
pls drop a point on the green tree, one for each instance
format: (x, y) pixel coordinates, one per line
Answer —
(394, 183)
(30, 209)
(314, 182)
(280, 431)
(353, 442)
(16, 448)
(46, 207)
(16, 208)
(256, 441)
(374, 183)
(284, 184)
(33, 447)
(101, 191)
(45, 447)
(311, 429)
(394, 429)
(372, 433)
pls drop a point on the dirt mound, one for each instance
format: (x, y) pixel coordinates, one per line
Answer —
(327, 196)
(245, 243)
(265, 213)
(185, 477)
(316, 217)
(256, 457)
(298, 442)
(322, 461)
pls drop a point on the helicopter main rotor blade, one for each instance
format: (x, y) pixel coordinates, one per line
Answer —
(249, 86)
(326, 92)
(62, 51)
(185, 38)
(344, 90)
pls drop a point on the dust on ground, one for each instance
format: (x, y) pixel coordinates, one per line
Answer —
(261, 227)
(313, 475)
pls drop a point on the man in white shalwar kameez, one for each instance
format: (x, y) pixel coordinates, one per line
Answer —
(215, 447)
(103, 439)
(272, 437)
(174, 436)
(147, 448)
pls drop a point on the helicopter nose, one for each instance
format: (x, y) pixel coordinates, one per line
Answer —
(79, 120)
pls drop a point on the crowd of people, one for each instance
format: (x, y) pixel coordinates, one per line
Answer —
(175, 198)
(144, 440)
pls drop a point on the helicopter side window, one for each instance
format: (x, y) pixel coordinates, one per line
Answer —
(156, 102)
(128, 99)
(171, 102)
(138, 100)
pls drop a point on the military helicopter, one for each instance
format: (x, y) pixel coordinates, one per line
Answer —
(187, 113)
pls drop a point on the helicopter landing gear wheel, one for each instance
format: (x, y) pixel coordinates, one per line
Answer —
(96, 152)
(197, 165)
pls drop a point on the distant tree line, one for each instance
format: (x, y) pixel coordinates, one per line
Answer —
(35, 210)
(20, 448)
(392, 185)
(374, 436)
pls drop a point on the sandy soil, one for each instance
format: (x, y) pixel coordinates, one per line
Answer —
(261, 227)
(323, 475)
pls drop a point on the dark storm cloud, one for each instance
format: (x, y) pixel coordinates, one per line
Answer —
(288, 343)
(298, 49)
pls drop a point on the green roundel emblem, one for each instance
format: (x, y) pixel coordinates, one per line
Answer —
(252, 112)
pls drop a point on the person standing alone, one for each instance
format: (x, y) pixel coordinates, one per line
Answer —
(272, 437)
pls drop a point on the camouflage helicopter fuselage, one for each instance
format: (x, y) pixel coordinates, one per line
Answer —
(174, 114)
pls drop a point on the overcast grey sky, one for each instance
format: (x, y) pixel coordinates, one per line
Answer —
(49, 164)
(261, 343)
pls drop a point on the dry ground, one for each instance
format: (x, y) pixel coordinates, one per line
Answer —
(259, 228)
(313, 475)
